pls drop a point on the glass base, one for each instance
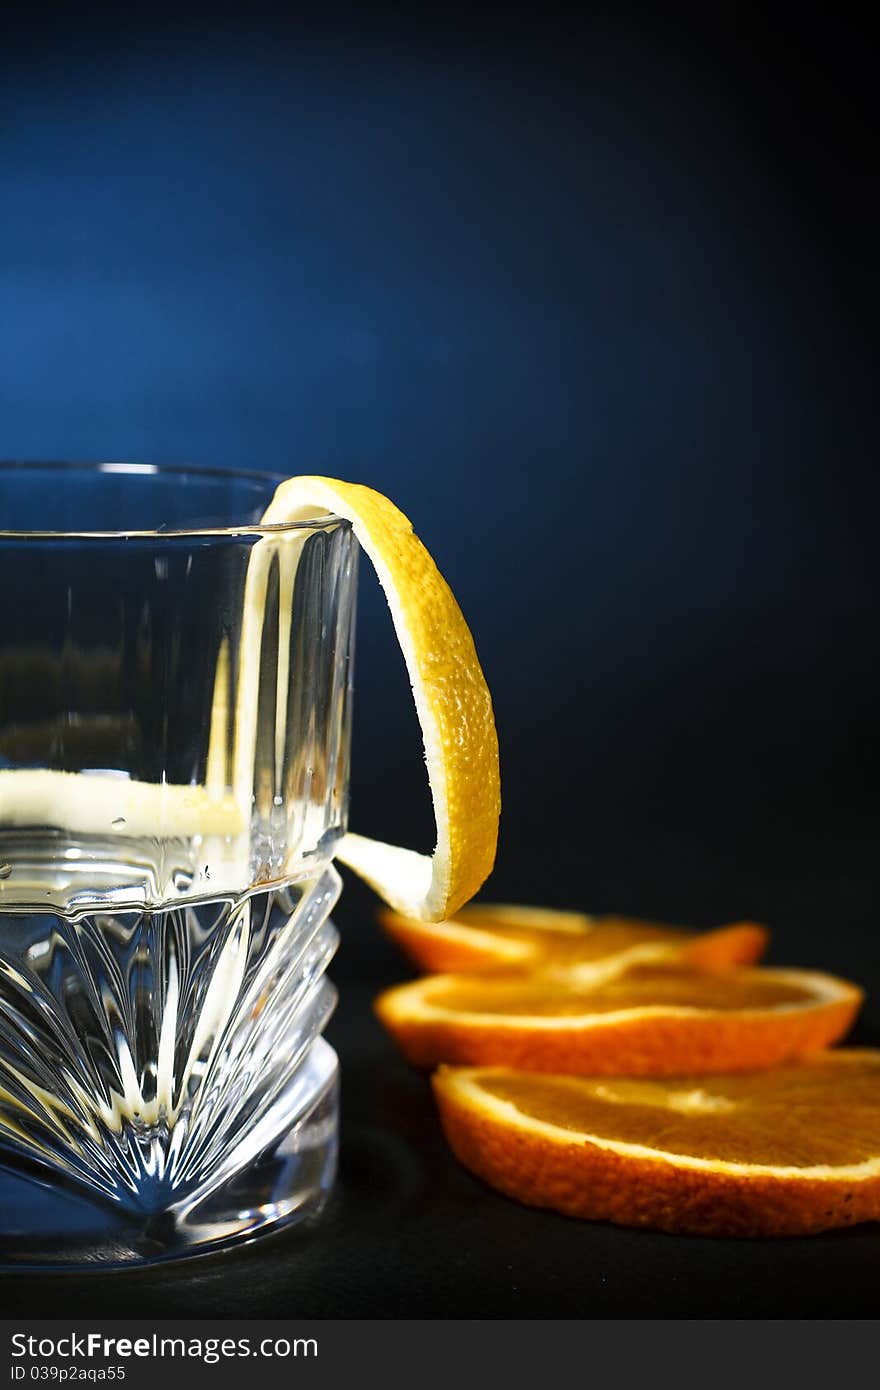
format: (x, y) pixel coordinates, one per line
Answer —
(164, 1086)
(45, 1225)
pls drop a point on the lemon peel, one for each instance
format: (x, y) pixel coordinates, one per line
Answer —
(451, 697)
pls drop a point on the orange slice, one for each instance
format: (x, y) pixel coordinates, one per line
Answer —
(786, 1152)
(660, 1019)
(450, 693)
(489, 936)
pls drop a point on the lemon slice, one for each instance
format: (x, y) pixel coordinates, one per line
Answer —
(451, 696)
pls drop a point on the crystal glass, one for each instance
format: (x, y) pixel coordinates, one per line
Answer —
(175, 706)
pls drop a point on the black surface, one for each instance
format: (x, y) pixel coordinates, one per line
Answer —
(408, 1233)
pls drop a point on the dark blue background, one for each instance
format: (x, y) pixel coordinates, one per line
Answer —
(595, 305)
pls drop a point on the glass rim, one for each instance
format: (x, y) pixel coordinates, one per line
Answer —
(144, 470)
